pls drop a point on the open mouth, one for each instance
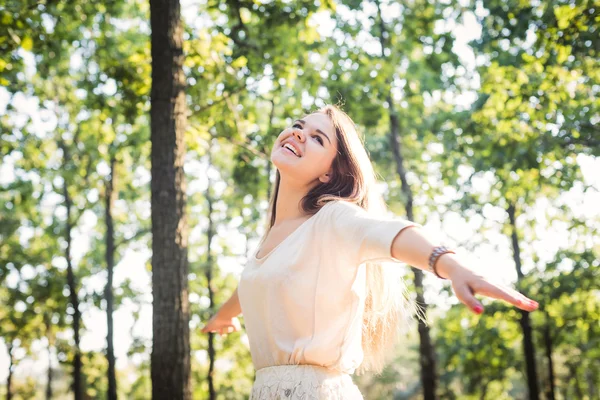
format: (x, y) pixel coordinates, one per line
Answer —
(291, 149)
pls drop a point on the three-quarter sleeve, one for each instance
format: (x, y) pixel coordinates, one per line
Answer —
(367, 237)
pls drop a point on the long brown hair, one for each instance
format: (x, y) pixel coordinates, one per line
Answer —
(386, 305)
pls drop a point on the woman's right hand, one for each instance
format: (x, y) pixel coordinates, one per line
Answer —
(223, 326)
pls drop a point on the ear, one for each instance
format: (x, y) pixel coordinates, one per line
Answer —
(325, 177)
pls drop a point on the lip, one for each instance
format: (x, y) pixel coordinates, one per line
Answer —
(294, 145)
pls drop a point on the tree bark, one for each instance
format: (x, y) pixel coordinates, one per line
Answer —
(11, 367)
(50, 337)
(266, 151)
(426, 350)
(548, 344)
(524, 321)
(170, 360)
(72, 283)
(212, 395)
(109, 199)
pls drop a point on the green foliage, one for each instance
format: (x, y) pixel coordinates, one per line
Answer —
(76, 78)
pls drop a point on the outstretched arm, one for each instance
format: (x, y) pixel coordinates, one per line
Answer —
(225, 320)
(414, 248)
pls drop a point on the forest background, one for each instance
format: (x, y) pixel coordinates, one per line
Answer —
(481, 118)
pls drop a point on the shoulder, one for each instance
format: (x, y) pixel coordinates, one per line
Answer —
(341, 209)
(341, 206)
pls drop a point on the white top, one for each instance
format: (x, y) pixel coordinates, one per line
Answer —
(303, 302)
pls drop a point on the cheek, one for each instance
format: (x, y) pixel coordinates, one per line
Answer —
(321, 161)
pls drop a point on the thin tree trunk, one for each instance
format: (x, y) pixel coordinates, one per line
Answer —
(110, 197)
(426, 351)
(50, 337)
(10, 373)
(170, 360)
(548, 345)
(525, 321)
(212, 395)
(265, 150)
(71, 282)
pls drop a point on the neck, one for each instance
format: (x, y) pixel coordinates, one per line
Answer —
(289, 197)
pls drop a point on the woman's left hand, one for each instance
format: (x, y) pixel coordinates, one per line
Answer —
(466, 283)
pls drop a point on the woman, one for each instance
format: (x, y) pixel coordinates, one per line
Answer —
(317, 306)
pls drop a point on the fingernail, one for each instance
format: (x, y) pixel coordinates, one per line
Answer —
(478, 309)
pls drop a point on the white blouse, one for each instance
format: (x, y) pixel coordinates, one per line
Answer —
(303, 302)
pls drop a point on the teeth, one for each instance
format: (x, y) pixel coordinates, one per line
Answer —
(289, 146)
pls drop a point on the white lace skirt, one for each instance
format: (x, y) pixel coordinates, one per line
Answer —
(305, 382)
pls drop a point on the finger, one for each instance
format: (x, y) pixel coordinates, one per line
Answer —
(507, 294)
(209, 328)
(465, 295)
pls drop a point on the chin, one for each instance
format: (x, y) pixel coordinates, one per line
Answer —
(284, 161)
(291, 172)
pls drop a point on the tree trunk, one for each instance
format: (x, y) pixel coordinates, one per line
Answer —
(548, 345)
(10, 373)
(426, 351)
(266, 150)
(212, 395)
(170, 360)
(110, 197)
(71, 282)
(50, 337)
(525, 321)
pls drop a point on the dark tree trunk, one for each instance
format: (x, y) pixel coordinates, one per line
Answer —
(524, 321)
(109, 199)
(50, 337)
(426, 351)
(10, 373)
(548, 345)
(71, 282)
(212, 395)
(170, 360)
(266, 150)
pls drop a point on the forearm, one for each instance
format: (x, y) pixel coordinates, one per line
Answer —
(413, 247)
(231, 308)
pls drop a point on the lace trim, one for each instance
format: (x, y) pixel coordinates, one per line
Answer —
(303, 382)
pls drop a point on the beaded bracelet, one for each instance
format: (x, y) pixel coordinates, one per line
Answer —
(435, 255)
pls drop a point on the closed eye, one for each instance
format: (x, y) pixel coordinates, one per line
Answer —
(319, 138)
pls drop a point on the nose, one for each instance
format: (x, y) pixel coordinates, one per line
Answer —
(299, 135)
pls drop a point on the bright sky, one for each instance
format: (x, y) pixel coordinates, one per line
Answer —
(493, 259)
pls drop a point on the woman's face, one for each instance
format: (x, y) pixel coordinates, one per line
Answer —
(305, 151)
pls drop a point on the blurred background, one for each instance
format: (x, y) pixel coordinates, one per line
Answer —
(482, 121)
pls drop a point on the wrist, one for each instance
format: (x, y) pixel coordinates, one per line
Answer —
(448, 265)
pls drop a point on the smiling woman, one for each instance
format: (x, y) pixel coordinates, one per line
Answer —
(317, 303)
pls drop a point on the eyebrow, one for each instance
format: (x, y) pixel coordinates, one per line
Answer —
(318, 130)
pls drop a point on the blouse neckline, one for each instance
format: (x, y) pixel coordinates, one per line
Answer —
(294, 232)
